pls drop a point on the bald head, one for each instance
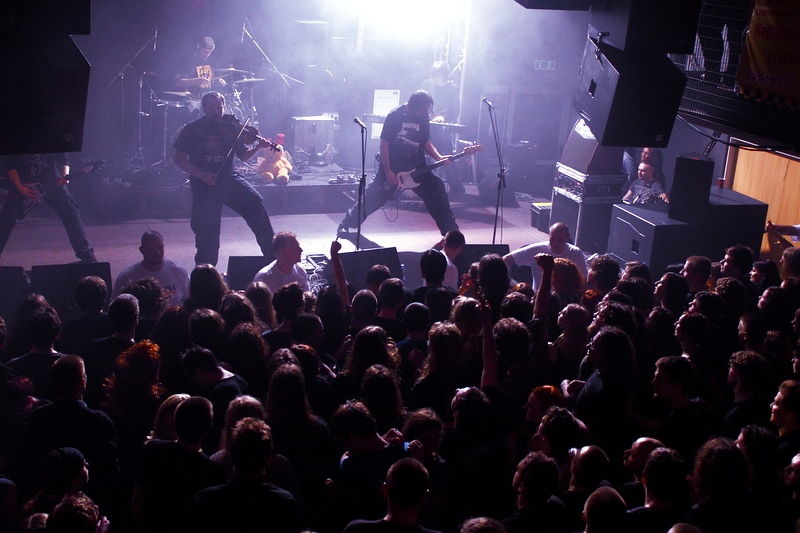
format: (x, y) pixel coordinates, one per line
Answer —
(636, 457)
(559, 237)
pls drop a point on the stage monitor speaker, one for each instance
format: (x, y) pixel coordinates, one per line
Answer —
(588, 220)
(561, 5)
(472, 253)
(13, 287)
(645, 26)
(243, 268)
(628, 99)
(583, 153)
(691, 186)
(57, 283)
(47, 97)
(357, 264)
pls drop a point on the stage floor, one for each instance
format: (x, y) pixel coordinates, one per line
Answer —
(40, 238)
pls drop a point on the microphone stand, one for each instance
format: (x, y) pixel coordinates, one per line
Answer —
(284, 77)
(501, 175)
(361, 208)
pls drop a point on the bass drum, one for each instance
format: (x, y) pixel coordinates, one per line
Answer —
(172, 139)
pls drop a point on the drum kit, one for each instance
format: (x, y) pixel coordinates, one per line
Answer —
(238, 102)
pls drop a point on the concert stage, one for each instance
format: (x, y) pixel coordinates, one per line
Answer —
(117, 194)
(39, 239)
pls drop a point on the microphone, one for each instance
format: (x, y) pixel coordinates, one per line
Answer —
(241, 39)
(155, 39)
(487, 102)
(358, 121)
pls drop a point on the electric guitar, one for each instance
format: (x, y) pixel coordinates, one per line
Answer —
(408, 179)
(29, 203)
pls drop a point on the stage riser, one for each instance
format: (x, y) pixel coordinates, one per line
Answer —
(127, 203)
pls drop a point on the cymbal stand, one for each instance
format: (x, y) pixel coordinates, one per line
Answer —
(274, 69)
(136, 163)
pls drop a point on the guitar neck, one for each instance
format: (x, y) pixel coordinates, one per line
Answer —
(420, 171)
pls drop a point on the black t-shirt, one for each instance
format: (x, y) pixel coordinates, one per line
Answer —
(406, 135)
(191, 69)
(170, 476)
(37, 168)
(207, 145)
(244, 505)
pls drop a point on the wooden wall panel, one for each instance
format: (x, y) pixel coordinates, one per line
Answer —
(773, 179)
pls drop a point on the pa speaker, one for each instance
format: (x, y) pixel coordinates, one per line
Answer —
(13, 287)
(57, 283)
(243, 268)
(583, 153)
(588, 219)
(357, 264)
(644, 26)
(47, 97)
(628, 99)
(691, 186)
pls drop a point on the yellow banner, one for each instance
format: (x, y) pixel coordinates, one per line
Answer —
(770, 65)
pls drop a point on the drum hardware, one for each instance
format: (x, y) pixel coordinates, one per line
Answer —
(231, 70)
(248, 80)
(137, 162)
(179, 94)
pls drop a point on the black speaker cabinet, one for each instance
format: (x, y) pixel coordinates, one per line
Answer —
(641, 234)
(691, 186)
(57, 283)
(48, 94)
(588, 219)
(647, 26)
(357, 264)
(738, 219)
(628, 99)
(13, 288)
(243, 268)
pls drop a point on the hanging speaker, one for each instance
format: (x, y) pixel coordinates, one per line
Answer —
(646, 26)
(628, 99)
(47, 98)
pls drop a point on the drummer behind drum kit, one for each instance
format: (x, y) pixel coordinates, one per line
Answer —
(238, 102)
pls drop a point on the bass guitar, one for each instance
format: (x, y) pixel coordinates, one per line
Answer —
(29, 203)
(408, 179)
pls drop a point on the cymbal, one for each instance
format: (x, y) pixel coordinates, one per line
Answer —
(181, 94)
(168, 103)
(249, 80)
(231, 70)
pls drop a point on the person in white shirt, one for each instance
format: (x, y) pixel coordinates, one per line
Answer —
(172, 277)
(286, 268)
(557, 246)
(452, 245)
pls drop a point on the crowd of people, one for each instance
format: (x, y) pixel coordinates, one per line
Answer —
(628, 401)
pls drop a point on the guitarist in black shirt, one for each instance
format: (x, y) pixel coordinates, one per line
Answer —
(35, 177)
(405, 139)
